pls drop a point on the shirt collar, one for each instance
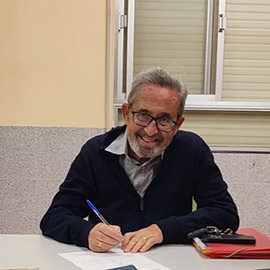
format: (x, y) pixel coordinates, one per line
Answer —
(119, 146)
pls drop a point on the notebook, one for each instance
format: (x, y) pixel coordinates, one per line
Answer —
(259, 250)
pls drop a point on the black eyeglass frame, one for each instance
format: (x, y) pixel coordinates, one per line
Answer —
(156, 119)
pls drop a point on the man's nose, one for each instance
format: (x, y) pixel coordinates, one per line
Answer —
(152, 128)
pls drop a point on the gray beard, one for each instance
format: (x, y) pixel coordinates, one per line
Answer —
(143, 152)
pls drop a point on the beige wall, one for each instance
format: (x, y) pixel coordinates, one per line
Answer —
(53, 63)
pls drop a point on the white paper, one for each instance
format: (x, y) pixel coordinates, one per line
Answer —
(88, 260)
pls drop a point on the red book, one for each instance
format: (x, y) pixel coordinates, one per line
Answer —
(259, 250)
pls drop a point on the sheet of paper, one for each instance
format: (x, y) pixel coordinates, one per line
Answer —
(88, 260)
(19, 268)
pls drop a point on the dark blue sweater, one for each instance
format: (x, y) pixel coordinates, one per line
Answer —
(187, 171)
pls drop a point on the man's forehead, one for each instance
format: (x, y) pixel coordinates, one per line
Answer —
(157, 99)
(157, 93)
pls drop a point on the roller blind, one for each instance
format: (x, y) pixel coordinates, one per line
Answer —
(246, 74)
(231, 129)
(171, 34)
(228, 129)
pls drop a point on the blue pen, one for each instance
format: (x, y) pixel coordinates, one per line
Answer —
(97, 212)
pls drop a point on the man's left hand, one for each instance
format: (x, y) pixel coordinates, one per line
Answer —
(142, 240)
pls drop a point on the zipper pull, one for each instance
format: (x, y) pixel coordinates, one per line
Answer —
(141, 204)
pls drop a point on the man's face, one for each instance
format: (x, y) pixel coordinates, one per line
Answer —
(147, 142)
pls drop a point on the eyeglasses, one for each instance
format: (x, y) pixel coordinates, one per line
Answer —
(162, 123)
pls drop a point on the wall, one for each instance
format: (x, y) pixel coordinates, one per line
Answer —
(52, 99)
(53, 63)
(34, 161)
(247, 175)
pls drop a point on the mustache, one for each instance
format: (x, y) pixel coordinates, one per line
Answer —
(156, 137)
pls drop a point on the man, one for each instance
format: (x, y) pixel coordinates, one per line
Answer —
(142, 177)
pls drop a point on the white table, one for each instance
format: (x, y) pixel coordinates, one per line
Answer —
(30, 251)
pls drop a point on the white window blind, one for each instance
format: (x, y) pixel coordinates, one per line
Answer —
(236, 130)
(171, 34)
(246, 71)
(233, 129)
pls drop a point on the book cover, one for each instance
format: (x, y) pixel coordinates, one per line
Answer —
(259, 250)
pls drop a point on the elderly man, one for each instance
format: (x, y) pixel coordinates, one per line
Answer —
(142, 177)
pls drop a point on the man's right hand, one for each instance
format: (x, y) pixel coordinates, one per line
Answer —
(103, 237)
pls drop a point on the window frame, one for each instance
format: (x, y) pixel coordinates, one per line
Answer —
(204, 102)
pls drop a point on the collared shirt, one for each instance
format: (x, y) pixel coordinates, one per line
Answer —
(140, 175)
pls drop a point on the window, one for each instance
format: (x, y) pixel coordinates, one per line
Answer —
(220, 48)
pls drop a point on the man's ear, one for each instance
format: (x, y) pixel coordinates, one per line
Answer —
(180, 121)
(125, 112)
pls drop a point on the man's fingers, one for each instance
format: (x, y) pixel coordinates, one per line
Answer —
(114, 232)
(148, 244)
(133, 242)
(129, 243)
(142, 240)
(103, 237)
(138, 244)
(102, 246)
(110, 238)
(127, 238)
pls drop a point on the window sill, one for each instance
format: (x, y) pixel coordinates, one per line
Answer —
(247, 150)
(208, 103)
